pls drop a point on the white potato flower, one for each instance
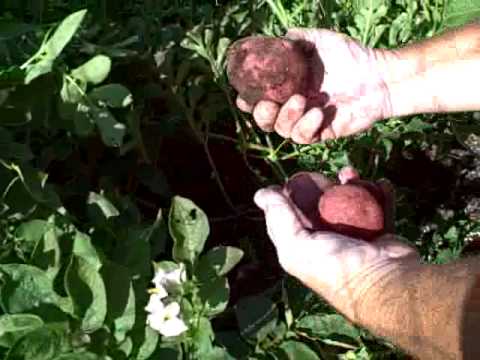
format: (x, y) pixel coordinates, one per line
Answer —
(169, 279)
(155, 303)
(166, 320)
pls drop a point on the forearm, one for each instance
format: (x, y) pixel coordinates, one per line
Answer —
(431, 311)
(437, 75)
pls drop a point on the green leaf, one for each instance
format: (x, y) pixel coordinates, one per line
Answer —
(17, 202)
(41, 344)
(100, 202)
(86, 289)
(25, 287)
(189, 227)
(232, 341)
(125, 347)
(14, 326)
(63, 34)
(113, 95)
(31, 232)
(120, 299)
(166, 351)
(38, 69)
(222, 48)
(94, 71)
(324, 326)
(47, 254)
(35, 183)
(73, 90)
(133, 251)
(83, 121)
(297, 350)
(218, 353)
(111, 131)
(218, 262)
(82, 355)
(149, 344)
(460, 12)
(203, 339)
(257, 316)
(9, 77)
(214, 295)
(82, 247)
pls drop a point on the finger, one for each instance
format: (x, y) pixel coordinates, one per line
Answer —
(265, 113)
(304, 190)
(347, 174)
(283, 226)
(289, 114)
(243, 105)
(306, 130)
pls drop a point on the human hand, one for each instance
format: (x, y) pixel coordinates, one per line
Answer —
(339, 268)
(347, 93)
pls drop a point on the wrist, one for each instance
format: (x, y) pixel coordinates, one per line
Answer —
(400, 71)
(361, 296)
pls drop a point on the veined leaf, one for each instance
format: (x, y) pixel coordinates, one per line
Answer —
(94, 71)
(189, 227)
(218, 262)
(86, 288)
(63, 34)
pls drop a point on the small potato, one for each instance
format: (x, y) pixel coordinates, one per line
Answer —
(353, 209)
(267, 68)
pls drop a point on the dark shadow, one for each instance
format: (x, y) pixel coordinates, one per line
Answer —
(470, 324)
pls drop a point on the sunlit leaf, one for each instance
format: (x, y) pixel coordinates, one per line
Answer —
(94, 71)
(87, 291)
(63, 34)
(189, 227)
(14, 326)
(460, 12)
(218, 262)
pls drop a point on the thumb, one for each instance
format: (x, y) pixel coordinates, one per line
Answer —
(283, 225)
(396, 247)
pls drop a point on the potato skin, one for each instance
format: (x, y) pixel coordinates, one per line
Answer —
(267, 68)
(352, 209)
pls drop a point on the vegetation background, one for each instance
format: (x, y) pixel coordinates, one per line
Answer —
(121, 152)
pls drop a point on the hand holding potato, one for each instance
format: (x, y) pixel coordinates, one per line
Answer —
(340, 268)
(344, 94)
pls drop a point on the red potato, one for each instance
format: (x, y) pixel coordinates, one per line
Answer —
(267, 68)
(353, 209)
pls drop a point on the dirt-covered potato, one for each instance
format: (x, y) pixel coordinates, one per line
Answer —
(353, 209)
(267, 68)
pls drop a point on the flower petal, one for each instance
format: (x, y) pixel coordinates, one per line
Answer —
(159, 278)
(155, 304)
(172, 327)
(155, 322)
(172, 309)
